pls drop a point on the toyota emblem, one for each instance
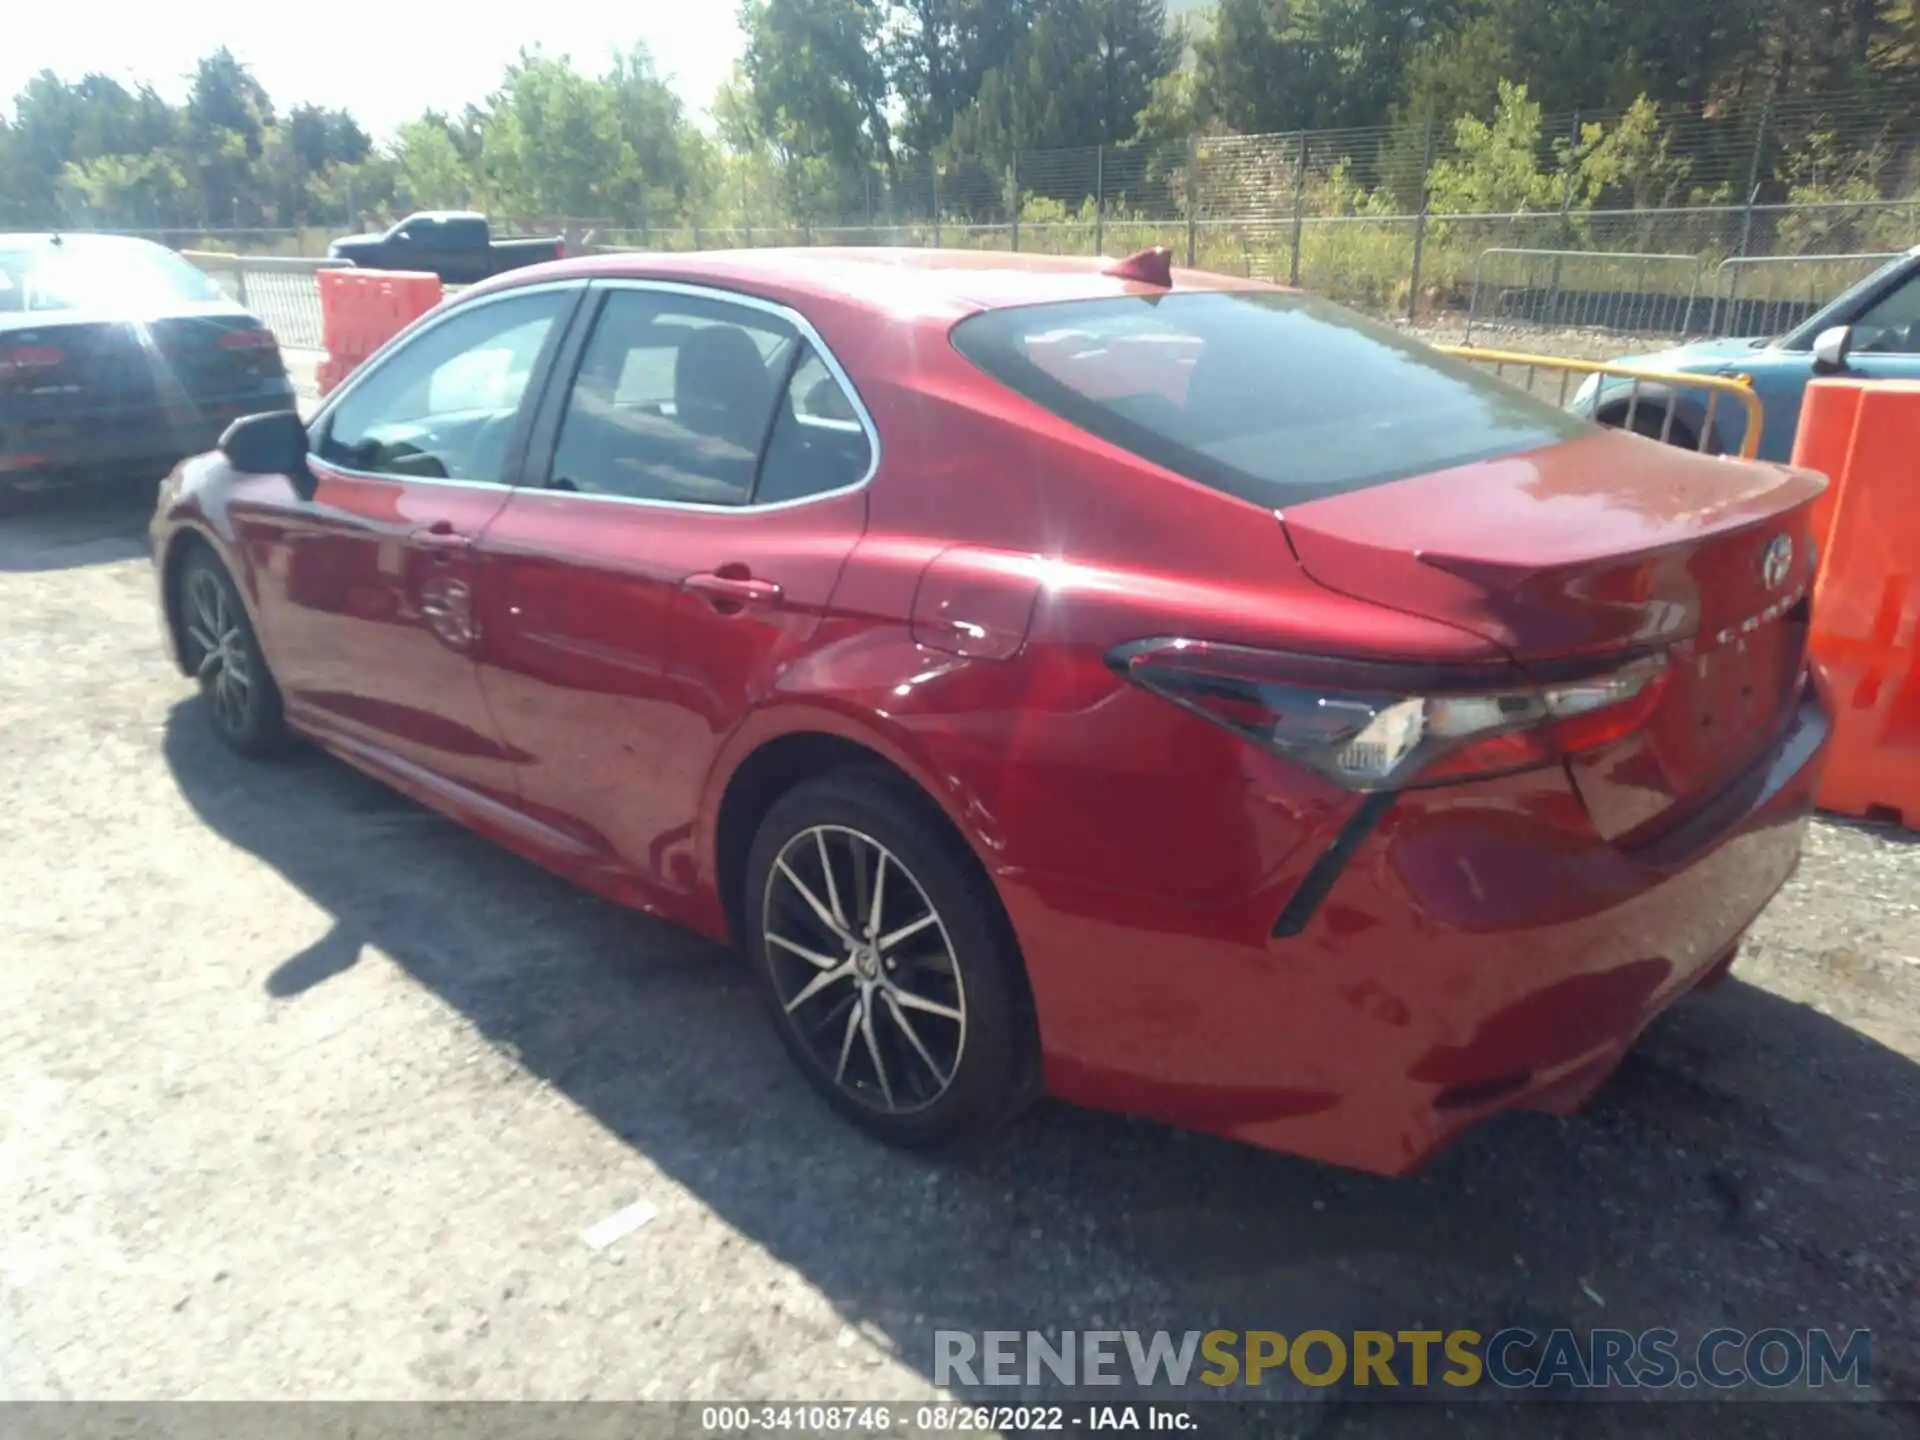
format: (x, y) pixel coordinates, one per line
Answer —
(1777, 562)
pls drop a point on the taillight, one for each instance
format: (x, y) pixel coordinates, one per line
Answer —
(1387, 727)
(22, 365)
(247, 340)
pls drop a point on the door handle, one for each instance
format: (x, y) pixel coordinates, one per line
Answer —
(730, 592)
(441, 536)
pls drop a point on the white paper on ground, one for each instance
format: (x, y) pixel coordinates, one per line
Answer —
(620, 1224)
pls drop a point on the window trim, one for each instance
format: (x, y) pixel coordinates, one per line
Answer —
(530, 403)
(560, 394)
(1889, 293)
(1848, 307)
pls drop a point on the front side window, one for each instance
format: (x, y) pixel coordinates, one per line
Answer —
(674, 399)
(1276, 398)
(1891, 327)
(445, 405)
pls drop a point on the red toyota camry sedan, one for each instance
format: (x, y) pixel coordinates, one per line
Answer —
(1169, 692)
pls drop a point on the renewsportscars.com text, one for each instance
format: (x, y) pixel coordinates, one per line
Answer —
(1442, 1361)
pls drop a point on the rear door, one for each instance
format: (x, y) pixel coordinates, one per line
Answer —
(372, 611)
(705, 486)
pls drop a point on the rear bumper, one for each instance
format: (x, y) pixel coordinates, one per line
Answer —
(1482, 949)
(54, 449)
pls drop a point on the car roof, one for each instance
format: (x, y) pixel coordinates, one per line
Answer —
(902, 282)
(49, 239)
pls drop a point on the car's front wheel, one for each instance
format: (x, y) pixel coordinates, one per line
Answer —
(220, 650)
(889, 969)
(1651, 421)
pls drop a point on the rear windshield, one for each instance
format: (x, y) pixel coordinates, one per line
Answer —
(1276, 398)
(82, 273)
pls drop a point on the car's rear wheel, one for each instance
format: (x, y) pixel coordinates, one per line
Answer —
(890, 973)
(221, 651)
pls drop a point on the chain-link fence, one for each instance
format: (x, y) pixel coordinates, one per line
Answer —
(280, 290)
(1397, 219)
(1739, 221)
(1472, 274)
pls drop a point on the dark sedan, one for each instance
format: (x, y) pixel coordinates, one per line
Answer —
(117, 358)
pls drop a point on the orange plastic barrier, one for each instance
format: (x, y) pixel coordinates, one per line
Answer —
(360, 310)
(1866, 602)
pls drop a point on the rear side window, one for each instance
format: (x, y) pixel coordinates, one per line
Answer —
(674, 400)
(463, 234)
(818, 444)
(1274, 398)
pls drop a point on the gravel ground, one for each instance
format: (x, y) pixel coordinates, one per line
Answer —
(311, 1094)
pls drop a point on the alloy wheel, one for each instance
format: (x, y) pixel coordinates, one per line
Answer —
(863, 969)
(217, 650)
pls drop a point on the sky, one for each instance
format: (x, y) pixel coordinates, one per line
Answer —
(385, 63)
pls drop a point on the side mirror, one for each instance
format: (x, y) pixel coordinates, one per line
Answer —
(270, 444)
(1831, 348)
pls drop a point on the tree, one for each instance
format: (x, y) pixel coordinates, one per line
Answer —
(1495, 165)
(1082, 76)
(1621, 101)
(938, 52)
(552, 142)
(1252, 73)
(146, 191)
(433, 175)
(13, 181)
(652, 122)
(46, 122)
(227, 117)
(301, 155)
(813, 72)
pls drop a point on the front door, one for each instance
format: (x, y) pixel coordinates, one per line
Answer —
(371, 610)
(1886, 339)
(703, 493)
(1886, 346)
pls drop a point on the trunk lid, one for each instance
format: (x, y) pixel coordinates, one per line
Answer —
(119, 364)
(214, 355)
(1604, 546)
(91, 361)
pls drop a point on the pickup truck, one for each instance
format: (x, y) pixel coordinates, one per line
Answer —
(456, 245)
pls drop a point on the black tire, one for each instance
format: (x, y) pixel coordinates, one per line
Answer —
(965, 960)
(1651, 421)
(242, 699)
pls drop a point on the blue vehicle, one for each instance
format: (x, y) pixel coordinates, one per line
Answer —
(1872, 331)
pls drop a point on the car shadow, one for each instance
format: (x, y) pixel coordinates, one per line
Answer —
(68, 529)
(1747, 1167)
(1887, 831)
